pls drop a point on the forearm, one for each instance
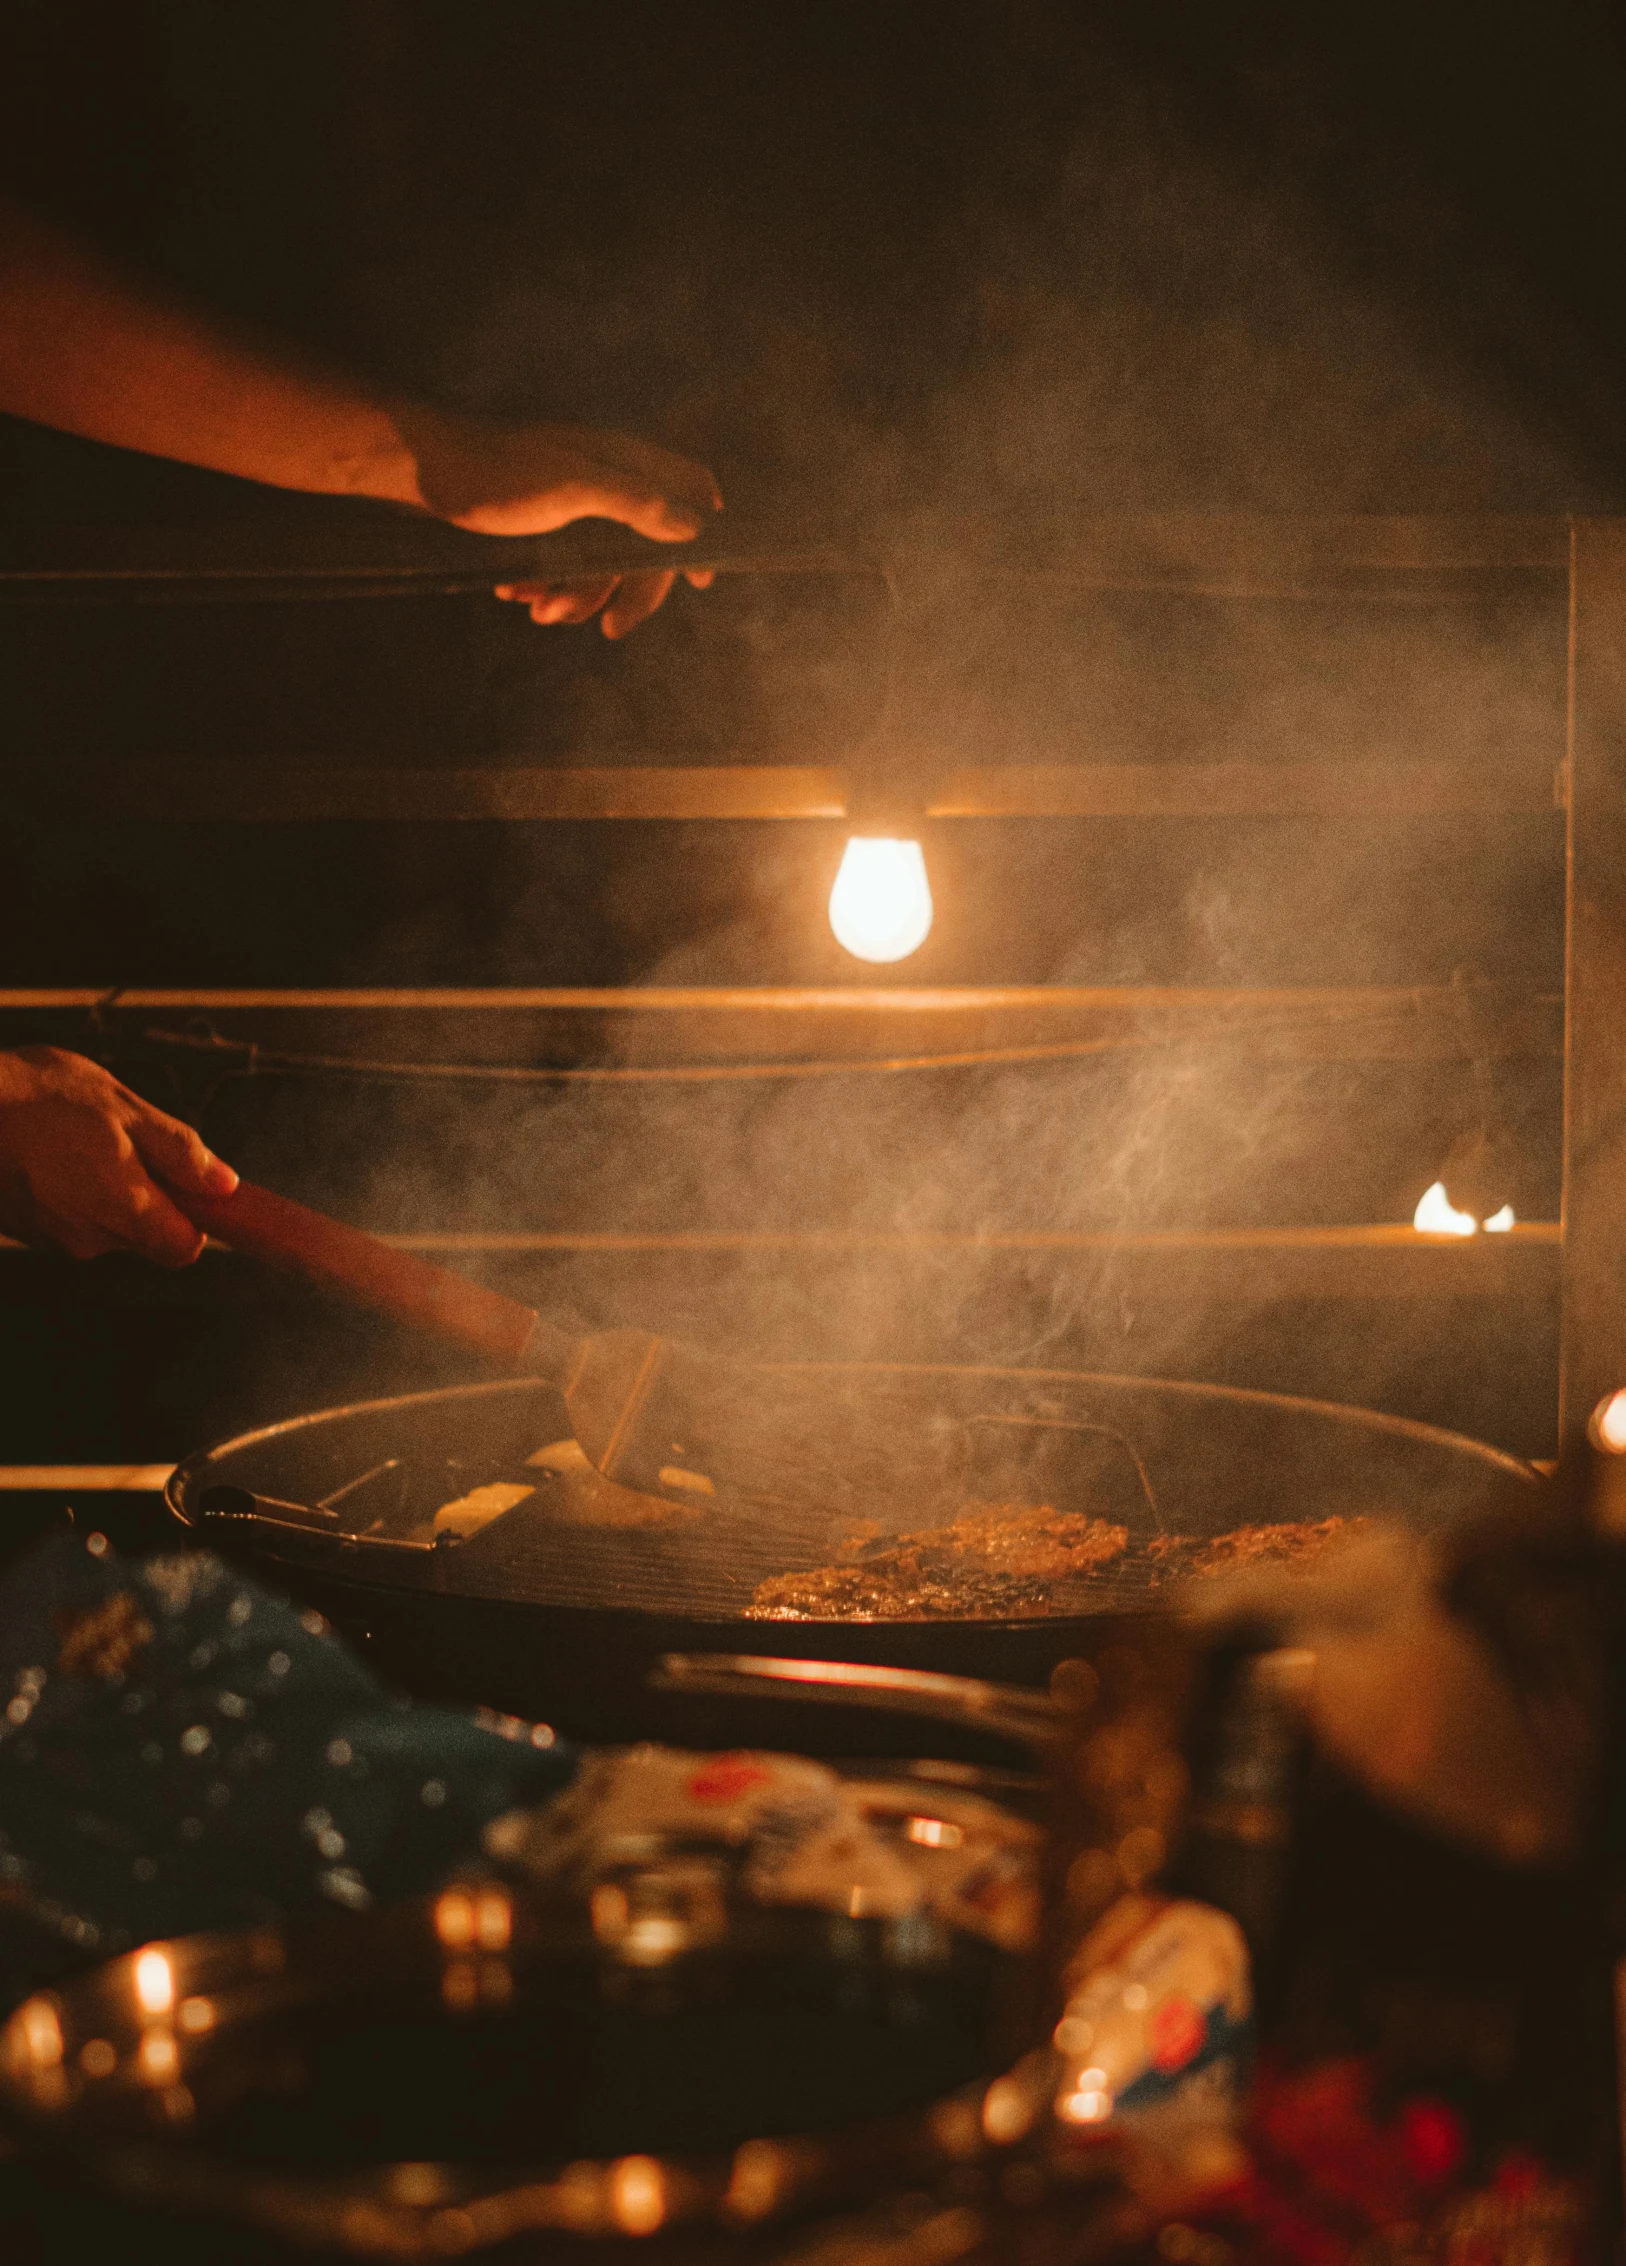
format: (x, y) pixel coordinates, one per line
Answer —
(89, 351)
(94, 352)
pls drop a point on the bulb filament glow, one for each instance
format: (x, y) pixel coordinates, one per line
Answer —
(881, 905)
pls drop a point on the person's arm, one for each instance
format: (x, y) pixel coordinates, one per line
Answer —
(84, 1163)
(88, 350)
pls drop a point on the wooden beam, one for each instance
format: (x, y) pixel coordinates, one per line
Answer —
(1257, 546)
(84, 1478)
(321, 553)
(1389, 1236)
(1178, 1267)
(260, 793)
(1248, 790)
(1187, 1274)
(656, 1025)
(1593, 1349)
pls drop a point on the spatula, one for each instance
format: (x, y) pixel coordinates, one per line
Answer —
(650, 1413)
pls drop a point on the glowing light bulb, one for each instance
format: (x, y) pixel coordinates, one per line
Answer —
(881, 905)
(1437, 1215)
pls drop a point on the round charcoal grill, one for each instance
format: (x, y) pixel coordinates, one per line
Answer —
(560, 1605)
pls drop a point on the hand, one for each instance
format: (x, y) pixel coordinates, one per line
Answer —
(531, 479)
(84, 1163)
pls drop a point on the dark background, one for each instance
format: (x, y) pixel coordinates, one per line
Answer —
(1022, 259)
(1015, 260)
(676, 220)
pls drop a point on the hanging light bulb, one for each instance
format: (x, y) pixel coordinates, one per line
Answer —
(881, 905)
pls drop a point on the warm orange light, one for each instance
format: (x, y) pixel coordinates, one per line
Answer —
(158, 2057)
(454, 1919)
(638, 2194)
(1008, 2111)
(39, 2028)
(935, 1833)
(154, 1982)
(493, 1919)
(760, 2172)
(460, 1984)
(1437, 1215)
(881, 905)
(1609, 1424)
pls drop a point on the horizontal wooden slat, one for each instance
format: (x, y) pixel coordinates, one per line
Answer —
(84, 1478)
(1245, 545)
(321, 550)
(684, 1000)
(1386, 1237)
(1187, 1273)
(1167, 1266)
(260, 793)
(898, 1025)
(1246, 790)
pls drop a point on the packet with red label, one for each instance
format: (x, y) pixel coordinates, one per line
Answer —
(1159, 2009)
(792, 1831)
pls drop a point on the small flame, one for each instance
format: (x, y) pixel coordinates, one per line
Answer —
(1609, 1423)
(637, 2194)
(467, 1916)
(1437, 1215)
(38, 2030)
(154, 1982)
(158, 2057)
(454, 1918)
(1500, 1222)
(881, 905)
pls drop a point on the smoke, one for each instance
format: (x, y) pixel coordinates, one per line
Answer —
(909, 269)
(1124, 317)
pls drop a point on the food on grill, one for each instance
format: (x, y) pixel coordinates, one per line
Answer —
(1293, 1545)
(584, 1497)
(995, 1561)
(478, 1508)
(564, 1490)
(1002, 1560)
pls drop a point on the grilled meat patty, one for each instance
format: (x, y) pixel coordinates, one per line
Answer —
(995, 1561)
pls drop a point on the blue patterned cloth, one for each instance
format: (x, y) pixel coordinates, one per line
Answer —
(181, 1750)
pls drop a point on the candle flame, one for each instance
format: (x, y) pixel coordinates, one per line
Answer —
(1437, 1215)
(154, 1982)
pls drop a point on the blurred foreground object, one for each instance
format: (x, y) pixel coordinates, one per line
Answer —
(182, 1750)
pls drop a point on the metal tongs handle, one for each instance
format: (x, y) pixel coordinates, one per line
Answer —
(1009, 1711)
